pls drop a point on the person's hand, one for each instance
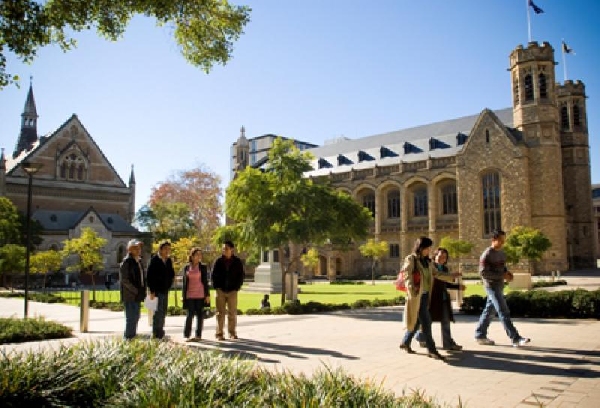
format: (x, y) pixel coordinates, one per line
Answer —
(508, 276)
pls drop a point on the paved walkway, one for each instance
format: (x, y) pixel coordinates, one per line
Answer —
(561, 368)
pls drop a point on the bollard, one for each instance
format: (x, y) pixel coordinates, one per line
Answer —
(552, 277)
(84, 315)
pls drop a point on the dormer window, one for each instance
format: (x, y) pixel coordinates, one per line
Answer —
(386, 152)
(343, 160)
(461, 139)
(410, 148)
(364, 156)
(324, 164)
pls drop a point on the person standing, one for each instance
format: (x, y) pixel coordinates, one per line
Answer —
(160, 280)
(227, 280)
(133, 287)
(493, 271)
(196, 293)
(416, 309)
(440, 306)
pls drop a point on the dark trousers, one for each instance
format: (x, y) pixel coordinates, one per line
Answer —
(132, 316)
(195, 307)
(424, 321)
(158, 320)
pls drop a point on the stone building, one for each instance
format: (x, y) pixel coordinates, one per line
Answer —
(525, 165)
(76, 185)
(596, 204)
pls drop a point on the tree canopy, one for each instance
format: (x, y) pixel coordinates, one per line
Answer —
(456, 247)
(526, 242)
(87, 251)
(204, 30)
(277, 206)
(375, 250)
(10, 224)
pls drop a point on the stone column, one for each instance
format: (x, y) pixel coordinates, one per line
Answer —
(432, 211)
(378, 212)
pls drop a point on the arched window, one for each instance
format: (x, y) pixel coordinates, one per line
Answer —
(393, 201)
(449, 199)
(528, 88)
(576, 116)
(369, 202)
(564, 118)
(543, 87)
(63, 170)
(72, 171)
(80, 171)
(420, 202)
(487, 136)
(490, 185)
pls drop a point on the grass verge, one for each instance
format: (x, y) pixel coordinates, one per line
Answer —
(15, 330)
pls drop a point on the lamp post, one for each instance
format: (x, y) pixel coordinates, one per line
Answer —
(30, 169)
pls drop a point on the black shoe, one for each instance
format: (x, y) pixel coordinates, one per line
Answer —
(436, 356)
(407, 348)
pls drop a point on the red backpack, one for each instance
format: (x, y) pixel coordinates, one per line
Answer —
(401, 280)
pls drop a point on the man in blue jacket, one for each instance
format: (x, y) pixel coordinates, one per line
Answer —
(227, 280)
(160, 280)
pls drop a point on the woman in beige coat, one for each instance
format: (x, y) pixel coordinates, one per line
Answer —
(416, 309)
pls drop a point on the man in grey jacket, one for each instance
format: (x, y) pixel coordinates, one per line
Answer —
(133, 287)
(493, 271)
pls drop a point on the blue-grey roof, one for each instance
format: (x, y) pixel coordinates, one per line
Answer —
(440, 139)
(55, 220)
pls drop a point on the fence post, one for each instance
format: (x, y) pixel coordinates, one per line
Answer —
(84, 315)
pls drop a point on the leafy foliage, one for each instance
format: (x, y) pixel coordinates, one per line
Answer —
(203, 29)
(12, 259)
(525, 242)
(46, 261)
(375, 250)
(166, 220)
(9, 222)
(87, 251)
(13, 330)
(456, 247)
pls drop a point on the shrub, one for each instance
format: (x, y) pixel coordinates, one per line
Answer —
(545, 284)
(473, 304)
(14, 330)
(347, 282)
(361, 304)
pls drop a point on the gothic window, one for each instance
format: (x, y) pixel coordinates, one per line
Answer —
(449, 199)
(369, 202)
(72, 171)
(393, 200)
(576, 116)
(72, 167)
(564, 118)
(80, 172)
(543, 87)
(420, 202)
(528, 88)
(63, 170)
(394, 250)
(490, 183)
(487, 136)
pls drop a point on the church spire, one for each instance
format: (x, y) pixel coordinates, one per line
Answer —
(131, 177)
(28, 135)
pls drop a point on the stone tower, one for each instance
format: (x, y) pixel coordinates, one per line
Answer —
(535, 114)
(242, 151)
(581, 243)
(29, 117)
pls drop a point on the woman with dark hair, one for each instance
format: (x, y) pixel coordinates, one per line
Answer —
(440, 306)
(195, 292)
(419, 280)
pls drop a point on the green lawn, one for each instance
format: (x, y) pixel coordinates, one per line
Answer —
(316, 292)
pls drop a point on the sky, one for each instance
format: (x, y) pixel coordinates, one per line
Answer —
(312, 70)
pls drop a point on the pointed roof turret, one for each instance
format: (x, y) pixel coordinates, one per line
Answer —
(242, 141)
(131, 177)
(28, 135)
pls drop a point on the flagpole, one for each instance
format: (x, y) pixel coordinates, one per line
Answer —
(528, 20)
(562, 47)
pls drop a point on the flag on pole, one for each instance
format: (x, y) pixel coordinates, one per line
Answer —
(536, 9)
(566, 49)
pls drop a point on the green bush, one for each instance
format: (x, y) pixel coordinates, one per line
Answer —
(116, 373)
(361, 304)
(473, 305)
(545, 283)
(13, 330)
(347, 282)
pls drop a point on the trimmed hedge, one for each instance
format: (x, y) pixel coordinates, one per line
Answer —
(575, 304)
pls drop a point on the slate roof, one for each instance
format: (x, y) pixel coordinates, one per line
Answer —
(53, 220)
(440, 139)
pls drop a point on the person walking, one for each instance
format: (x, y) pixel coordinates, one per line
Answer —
(493, 271)
(419, 280)
(160, 279)
(196, 293)
(440, 306)
(227, 280)
(133, 287)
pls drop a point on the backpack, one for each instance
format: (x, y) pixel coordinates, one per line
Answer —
(401, 280)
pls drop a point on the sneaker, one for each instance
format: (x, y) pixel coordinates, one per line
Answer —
(436, 356)
(485, 341)
(454, 347)
(521, 341)
(407, 348)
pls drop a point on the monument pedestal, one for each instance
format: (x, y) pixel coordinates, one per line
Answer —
(267, 276)
(521, 280)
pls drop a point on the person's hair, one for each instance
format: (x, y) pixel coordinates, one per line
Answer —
(229, 244)
(193, 252)
(164, 244)
(498, 233)
(441, 250)
(422, 243)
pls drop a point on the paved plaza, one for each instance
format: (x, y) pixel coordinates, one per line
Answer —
(561, 367)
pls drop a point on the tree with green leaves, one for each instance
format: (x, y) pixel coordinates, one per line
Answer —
(204, 30)
(10, 225)
(46, 261)
(276, 206)
(166, 220)
(87, 254)
(526, 242)
(375, 250)
(456, 247)
(12, 259)
(310, 259)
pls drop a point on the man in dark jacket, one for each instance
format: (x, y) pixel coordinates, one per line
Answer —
(227, 279)
(133, 288)
(160, 280)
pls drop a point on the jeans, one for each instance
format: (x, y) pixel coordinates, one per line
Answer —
(228, 299)
(195, 307)
(447, 340)
(158, 320)
(132, 316)
(423, 320)
(497, 302)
